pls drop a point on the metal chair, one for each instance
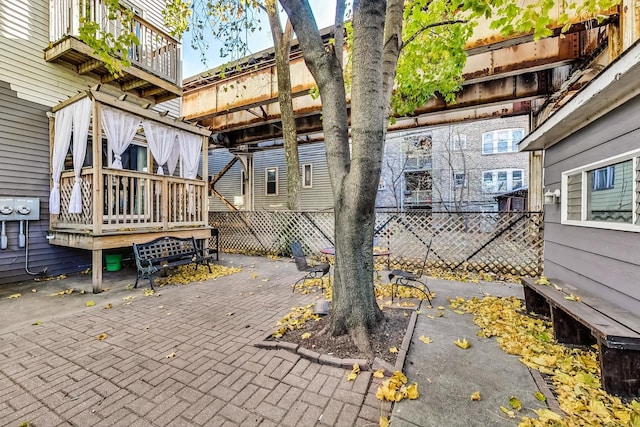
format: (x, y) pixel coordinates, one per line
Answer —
(312, 271)
(405, 278)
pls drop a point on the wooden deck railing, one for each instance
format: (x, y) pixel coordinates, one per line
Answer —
(132, 201)
(157, 52)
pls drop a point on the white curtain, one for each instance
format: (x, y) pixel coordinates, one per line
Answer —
(172, 163)
(161, 140)
(61, 141)
(190, 145)
(120, 128)
(81, 118)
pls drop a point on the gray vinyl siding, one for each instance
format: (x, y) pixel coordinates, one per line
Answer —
(603, 262)
(24, 172)
(229, 183)
(316, 198)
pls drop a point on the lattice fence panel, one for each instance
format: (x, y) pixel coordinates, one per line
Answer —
(503, 243)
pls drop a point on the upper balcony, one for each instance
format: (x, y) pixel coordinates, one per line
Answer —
(155, 71)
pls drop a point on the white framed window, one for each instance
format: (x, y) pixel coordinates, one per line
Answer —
(418, 161)
(381, 184)
(307, 175)
(502, 181)
(501, 141)
(459, 142)
(603, 194)
(459, 179)
(271, 181)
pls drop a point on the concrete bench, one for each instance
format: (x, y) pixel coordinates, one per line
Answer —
(167, 252)
(592, 321)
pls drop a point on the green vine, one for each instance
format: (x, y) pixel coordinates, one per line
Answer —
(112, 49)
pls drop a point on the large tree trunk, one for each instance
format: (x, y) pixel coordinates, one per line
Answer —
(282, 44)
(354, 177)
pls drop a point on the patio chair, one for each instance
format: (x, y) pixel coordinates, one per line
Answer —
(311, 271)
(411, 279)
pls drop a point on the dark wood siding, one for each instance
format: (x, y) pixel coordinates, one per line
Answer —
(603, 262)
(24, 172)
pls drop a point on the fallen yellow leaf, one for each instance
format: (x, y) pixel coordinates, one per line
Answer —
(425, 340)
(542, 281)
(14, 296)
(509, 413)
(540, 396)
(306, 335)
(393, 350)
(108, 306)
(379, 373)
(572, 297)
(515, 403)
(475, 396)
(102, 337)
(90, 303)
(412, 391)
(462, 343)
(384, 422)
(171, 355)
(354, 373)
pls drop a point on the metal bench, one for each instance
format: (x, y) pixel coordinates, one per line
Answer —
(167, 252)
(592, 321)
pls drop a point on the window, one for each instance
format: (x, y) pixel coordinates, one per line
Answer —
(271, 181)
(516, 179)
(603, 178)
(459, 142)
(381, 184)
(307, 176)
(459, 180)
(418, 161)
(501, 141)
(243, 183)
(603, 194)
(502, 181)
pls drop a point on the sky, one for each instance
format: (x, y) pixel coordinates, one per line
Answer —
(323, 10)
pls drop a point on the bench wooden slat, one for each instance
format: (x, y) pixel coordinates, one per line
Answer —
(604, 327)
(616, 312)
(578, 322)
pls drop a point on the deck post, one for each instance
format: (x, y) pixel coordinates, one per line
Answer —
(96, 270)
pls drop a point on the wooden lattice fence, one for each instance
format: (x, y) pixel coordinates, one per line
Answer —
(496, 242)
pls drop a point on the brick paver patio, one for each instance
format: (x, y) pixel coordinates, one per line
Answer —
(59, 374)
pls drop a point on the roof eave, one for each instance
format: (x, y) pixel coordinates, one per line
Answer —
(615, 85)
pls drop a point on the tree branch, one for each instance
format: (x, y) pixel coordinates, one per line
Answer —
(428, 27)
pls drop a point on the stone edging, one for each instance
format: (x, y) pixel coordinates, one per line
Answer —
(325, 359)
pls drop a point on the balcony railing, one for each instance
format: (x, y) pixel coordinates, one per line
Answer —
(418, 198)
(131, 201)
(157, 52)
